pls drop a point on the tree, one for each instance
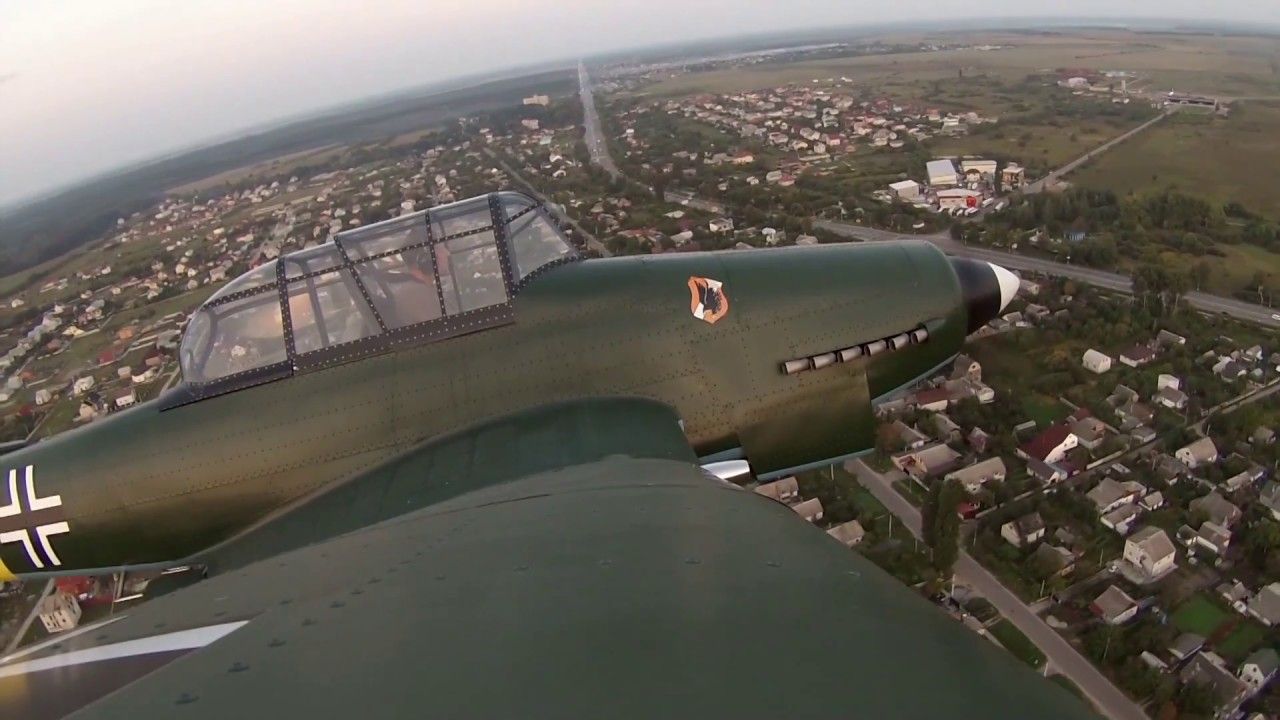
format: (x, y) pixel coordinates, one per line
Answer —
(1198, 698)
(929, 514)
(1200, 273)
(887, 440)
(946, 546)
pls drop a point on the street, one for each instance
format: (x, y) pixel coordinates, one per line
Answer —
(1060, 654)
(591, 121)
(591, 241)
(1112, 281)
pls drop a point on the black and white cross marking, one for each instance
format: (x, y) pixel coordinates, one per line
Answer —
(41, 516)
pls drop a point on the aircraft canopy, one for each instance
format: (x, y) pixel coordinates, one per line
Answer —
(364, 289)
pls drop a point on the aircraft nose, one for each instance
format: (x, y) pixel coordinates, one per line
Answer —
(987, 289)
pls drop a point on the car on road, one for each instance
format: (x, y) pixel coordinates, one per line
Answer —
(1275, 316)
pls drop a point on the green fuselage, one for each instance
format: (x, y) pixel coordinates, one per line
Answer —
(152, 485)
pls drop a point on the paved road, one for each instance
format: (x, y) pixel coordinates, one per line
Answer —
(1064, 658)
(596, 144)
(1101, 278)
(591, 240)
(1052, 177)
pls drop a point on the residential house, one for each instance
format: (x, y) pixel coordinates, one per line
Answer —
(1044, 472)
(1164, 338)
(1089, 432)
(1217, 508)
(1169, 468)
(1138, 355)
(1200, 452)
(966, 368)
(810, 509)
(1210, 669)
(1262, 436)
(1023, 531)
(910, 438)
(850, 533)
(1258, 669)
(1150, 551)
(1052, 560)
(1153, 500)
(1133, 415)
(1270, 498)
(1265, 605)
(946, 430)
(1172, 398)
(59, 612)
(82, 385)
(1050, 446)
(979, 440)
(978, 474)
(929, 461)
(934, 399)
(1109, 494)
(1228, 369)
(1186, 645)
(784, 490)
(1235, 594)
(1122, 518)
(1096, 362)
(1114, 606)
(1122, 395)
(1210, 536)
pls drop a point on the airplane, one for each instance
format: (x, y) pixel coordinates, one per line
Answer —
(444, 465)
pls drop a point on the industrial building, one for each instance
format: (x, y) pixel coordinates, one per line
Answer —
(942, 174)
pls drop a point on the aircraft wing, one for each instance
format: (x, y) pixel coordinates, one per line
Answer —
(611, 578)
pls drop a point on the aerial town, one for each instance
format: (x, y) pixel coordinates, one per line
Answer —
(1104, 455)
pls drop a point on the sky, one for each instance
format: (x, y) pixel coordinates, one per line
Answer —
(88, 86)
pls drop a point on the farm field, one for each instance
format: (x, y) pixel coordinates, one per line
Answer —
(1222, 159)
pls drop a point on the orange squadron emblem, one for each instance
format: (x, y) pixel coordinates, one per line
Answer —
(707, 300)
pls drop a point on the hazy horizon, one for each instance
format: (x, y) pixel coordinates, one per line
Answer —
(88, 89)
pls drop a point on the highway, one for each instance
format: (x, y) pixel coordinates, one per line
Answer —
(1060, 654)
(589, 239)
(591, 122)
(1112, 281)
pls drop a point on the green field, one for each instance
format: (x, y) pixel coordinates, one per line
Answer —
(1223, 159)
(1199, 615)
(1044, 410)
(1015, 642)
(1246, 636)
(1034, 146)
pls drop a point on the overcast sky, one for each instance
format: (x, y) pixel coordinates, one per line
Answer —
(89, 85)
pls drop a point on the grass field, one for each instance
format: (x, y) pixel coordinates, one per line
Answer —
(1198, 63)
(1222, 159)
(1246, 636)
(1015, 642)
(1044, 410)
(1038, 147)
(1199, 615)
